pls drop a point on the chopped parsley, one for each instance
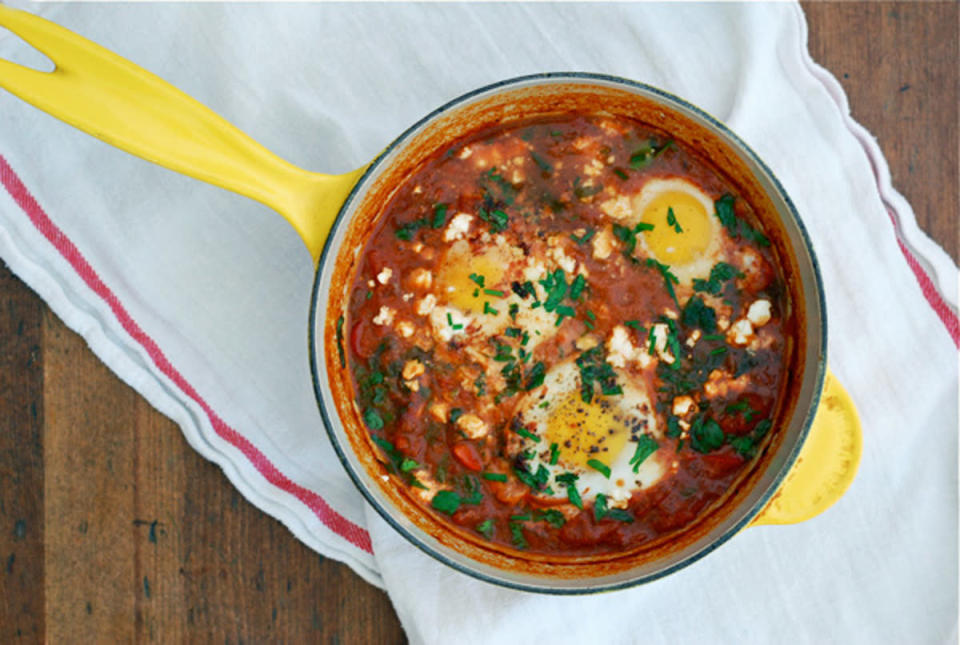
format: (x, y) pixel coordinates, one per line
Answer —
(576, 287)
(583, 239)
(524, 290)
(706, 435)
(720, 273)
(554, 451)
(439, 215)
(668, 278)
(407, 231)
(629, 236)
(494, 477)
(595, 370)
(582, 192)
(570, 481)
(697, 314)
(600, 467)
(602, 510)
(736, 226)
(646, 446)
(373, 419)
(343, 360)
(535, 376)
(746, 446)
(672, 220)
(478, 279)
(485, 528)
(409, 464)
(541, 163)
(647, 152)
(446, 501)
(619, 173)
(551, 516)
(516, 532)
(523, 432)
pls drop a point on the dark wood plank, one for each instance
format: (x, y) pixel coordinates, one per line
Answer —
(899, 63)
(21, 462)
(147, 541)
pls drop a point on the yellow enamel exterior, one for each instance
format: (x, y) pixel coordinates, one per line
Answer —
(124, 105)
(827, 463)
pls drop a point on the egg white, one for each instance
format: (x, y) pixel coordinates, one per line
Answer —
(606, 429)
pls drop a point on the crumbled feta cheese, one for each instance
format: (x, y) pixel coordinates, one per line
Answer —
(430, 486)
(448, 322)
(371, 284)
(586, 342)
(694, 337)
(564, 261)
(593, 169)
(759, 313)
(660, 333)
(740, 332)
(384, 276)
(472, 425)
(384, 316)
(412, 369)
(682, 405)
(421, 278)
(407, 297)
(603, 244)
(619, 348)
(619, 207)
(426, 304)
(405, 329)
(466, 152)
(458, 227)
(439, 412)
(619, 497)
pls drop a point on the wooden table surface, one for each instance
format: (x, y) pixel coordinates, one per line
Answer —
(113, 529)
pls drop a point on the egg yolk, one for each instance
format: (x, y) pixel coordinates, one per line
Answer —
(462, 277)
(681, 227)
(585, 431)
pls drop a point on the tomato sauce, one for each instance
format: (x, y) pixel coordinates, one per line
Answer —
(566, 335)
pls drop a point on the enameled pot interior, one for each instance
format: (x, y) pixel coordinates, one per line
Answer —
(539, 95)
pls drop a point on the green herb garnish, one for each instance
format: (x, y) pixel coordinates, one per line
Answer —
(343, 360)
(446, 501)
(583, 239)
(485, 528)
(600, 467)
(646, 446)
(494, 477)
(668, 278)
(554, 452)
(439, 215)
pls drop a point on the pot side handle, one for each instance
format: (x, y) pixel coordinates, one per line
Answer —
(827, 463)
(126, 106)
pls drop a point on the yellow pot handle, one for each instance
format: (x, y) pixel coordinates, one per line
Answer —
(827, 463)
(126, 106)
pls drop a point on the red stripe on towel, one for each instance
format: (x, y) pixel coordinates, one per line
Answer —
(337, 523)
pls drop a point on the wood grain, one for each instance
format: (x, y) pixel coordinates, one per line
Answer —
(898, 62)
(113, 529)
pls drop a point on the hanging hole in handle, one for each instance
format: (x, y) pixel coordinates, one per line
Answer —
(19, 51)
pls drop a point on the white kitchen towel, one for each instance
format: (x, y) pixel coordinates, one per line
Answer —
(199, 298)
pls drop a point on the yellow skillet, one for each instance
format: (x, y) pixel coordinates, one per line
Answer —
(124, 105)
